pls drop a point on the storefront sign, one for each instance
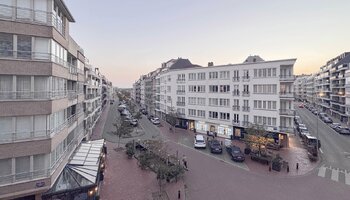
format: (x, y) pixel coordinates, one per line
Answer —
(40, 184)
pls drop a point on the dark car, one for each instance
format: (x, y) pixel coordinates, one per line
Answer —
(344, 131)
(236, 153)
(150, 117)
(338, 128)
(327, 120)
(334, 125)
(215, 146)
(133, 122)
(314, 111)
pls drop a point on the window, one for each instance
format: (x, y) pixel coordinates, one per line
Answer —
(40, 162)
(23, 87)
(24, 46)
(6, 45)
(265, 89)
(40, 6)
(22, 166)
(6, 129)
(192, 76)
(236, 118)
(201, 113)
(23, 9)
(224, 102)
(224, 74)
(201, 88)
(192, 100)
(6, 167)
(225, 116)
(192, 88)
(201, 101)
(213, 88)
(213, 115)
(191, 112)
(213, 102)
(201, 76)
(213, 75)
(224, 88)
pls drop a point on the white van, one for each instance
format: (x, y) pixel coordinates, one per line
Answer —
(199, 141)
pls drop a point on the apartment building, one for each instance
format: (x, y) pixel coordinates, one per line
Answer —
(300, 87)
(48, 96)
(330, 86)
(142, 91)
(150, 89)
(227, 98)
(310, 89)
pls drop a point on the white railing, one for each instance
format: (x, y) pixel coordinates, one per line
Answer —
(13, 13)
(32, 95)
(10, 137)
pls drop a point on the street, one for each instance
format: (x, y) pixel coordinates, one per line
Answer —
(218, 177)
(335, 148)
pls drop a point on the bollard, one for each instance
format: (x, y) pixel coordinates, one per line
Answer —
(297, 166)
(287, 168)
(179, 194)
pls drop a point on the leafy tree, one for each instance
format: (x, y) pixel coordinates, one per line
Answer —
(256, 137)
(122, 129)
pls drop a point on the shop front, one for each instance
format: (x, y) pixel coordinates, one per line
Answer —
(201, 126)
(224, 131)
(181, 123)
(238, 133)
(191, 125)
(221, 130)
(81, 177)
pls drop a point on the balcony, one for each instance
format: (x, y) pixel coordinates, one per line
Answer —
(235, 108)
(235, 122)
(235, 93)
(245, 94)
(72, 94)
(286, 95)
(10, 137)
(245, 108)
(28, 95)
(287, 78)
(13, 13)
(235, 79)
(245, 78)
(180, 92)
(288, 112)
(180, 81)
(179, 103)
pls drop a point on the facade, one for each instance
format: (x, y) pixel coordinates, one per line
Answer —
(227, 98)
(150, 89)
(310, 89)
(330, 87)
(48, 95)
(300, 87)
(142, 91)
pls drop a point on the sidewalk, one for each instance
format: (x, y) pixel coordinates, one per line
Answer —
(123, 178)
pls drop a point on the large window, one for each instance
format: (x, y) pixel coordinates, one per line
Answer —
(5, 87)
(41, 87)
(6, 167)
(40, 7)
(6, 45)
(22, 167)
(23, 9)
(24, 46)
(23, 87)
(6, 129)
(41, 48)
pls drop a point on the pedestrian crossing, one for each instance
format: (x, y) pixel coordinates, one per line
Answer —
(334, 174)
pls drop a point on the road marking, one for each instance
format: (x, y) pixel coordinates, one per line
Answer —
(335, 175)
(322, 171)
(321, 151)
(347, 178)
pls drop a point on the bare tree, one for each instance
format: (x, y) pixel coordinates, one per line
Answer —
(122, 128)
(172, 119)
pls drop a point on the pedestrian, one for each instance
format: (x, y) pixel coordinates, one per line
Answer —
(184, 161)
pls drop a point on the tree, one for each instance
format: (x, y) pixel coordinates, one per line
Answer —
(172, 119)
(121, 129)
(256, 137)
(138, 115)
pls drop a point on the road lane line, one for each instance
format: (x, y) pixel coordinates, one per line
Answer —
(322, 171)
(335, 175)
(321, 151)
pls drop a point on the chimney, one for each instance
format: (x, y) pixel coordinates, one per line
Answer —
(210, 64)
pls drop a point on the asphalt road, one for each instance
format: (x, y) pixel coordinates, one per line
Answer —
(335, 148)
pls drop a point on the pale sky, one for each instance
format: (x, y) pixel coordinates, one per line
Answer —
(128, 38)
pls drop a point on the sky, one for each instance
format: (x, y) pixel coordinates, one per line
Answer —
(126, 39)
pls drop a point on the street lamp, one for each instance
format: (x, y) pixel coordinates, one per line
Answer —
(321, 94)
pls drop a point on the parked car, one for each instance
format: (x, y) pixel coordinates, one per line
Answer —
(155, 121)
(298, 121)
(314, 111)
(150, 117)
(301, 105)
(300, 126)
(334, 125)
(211, 133)
(344, 131)
(339, 128)
(133, 122)
(215, 146)
(199, 141)
(327, 120)
(236, 153)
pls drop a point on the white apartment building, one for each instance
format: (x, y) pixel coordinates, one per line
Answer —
(142, 91)
(310, 89)
(227, 98)
(300, 85)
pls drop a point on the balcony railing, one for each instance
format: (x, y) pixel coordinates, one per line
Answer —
(235, 93)
(245, 94)
(13, 13)
(288, 112)
(235, 108)
(287, 77)
(235, 79)
(181, 92)
(36, 95)
(245, 78)
(235, 122)
(178, 103)
(180, 80)
(11, 137)
(245, 108)
(286, 95)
